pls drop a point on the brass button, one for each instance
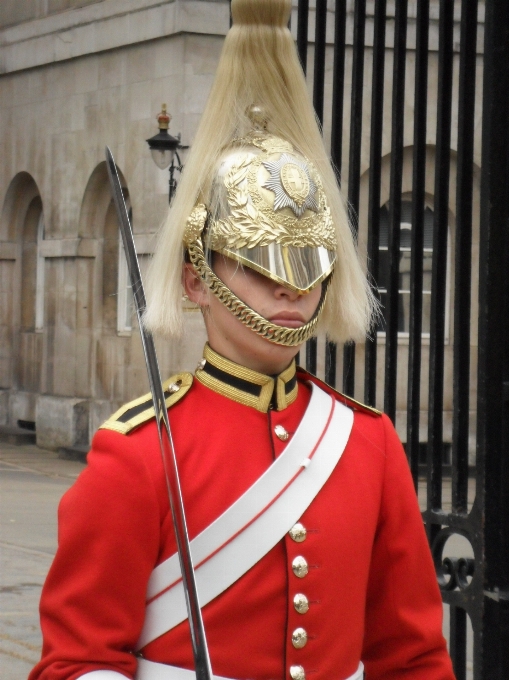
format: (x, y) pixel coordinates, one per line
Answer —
(281, 433)
(297, 673)
(298, 533)
(301, 603)
(300, 567)
(299, 638)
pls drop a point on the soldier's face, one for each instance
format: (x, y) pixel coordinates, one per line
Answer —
(229, 337)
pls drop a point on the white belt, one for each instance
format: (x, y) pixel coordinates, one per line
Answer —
(150, 670)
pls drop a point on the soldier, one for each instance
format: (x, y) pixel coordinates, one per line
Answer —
(310, 553)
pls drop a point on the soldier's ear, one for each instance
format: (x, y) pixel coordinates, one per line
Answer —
(195, 288)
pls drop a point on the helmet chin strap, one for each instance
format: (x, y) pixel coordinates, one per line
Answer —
(280, 335)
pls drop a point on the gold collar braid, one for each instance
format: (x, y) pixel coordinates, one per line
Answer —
(290, 337)
(246, 386)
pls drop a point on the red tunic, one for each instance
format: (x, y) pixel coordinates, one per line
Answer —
(371, 584)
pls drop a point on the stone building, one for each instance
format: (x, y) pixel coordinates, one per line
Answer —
(77, 75)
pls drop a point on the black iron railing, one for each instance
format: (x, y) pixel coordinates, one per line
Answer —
(416, 38)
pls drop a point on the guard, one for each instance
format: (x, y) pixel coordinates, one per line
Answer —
(310, 555)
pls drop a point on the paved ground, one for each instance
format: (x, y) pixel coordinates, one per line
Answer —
(32, 482)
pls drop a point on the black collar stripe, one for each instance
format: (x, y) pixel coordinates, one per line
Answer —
(234, 381)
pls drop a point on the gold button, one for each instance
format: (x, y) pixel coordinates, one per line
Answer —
(297, 673)
(300, 567)
(298, 533)
(281, 433)
(299, 638)
(301, 603)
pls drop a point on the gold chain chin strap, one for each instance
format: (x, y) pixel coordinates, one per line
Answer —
(280, 335)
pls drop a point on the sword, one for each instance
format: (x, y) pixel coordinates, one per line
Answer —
(199, 642)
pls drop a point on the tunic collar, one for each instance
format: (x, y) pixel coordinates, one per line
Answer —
(246, 386)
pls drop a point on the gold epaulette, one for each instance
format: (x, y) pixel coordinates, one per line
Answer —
(357, 405)
(139, 411)
(343, 398)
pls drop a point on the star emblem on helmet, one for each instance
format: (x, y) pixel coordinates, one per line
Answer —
(292, 184)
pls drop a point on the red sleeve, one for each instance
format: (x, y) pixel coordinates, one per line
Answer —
(93, 601)
(403, 632)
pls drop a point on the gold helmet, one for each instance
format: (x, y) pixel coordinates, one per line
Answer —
(268, 211)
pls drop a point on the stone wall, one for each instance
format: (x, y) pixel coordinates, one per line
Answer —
(56, 119)
(17, 11)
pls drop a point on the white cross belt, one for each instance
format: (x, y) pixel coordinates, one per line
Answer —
(257, 521)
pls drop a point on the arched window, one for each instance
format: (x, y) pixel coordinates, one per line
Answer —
(404, 266)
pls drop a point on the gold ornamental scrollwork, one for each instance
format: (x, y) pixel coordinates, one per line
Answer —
(253, 222)
(246, 226)
(195, 223)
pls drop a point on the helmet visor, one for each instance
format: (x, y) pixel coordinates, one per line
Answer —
(298, 268)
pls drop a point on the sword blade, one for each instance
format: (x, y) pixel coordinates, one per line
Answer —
(198, 638)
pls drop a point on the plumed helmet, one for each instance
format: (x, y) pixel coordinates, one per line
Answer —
(267, 210)
(258, 187)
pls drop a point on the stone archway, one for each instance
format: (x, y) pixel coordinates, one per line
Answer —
(32, 300)
(21, 298)
(109, 353)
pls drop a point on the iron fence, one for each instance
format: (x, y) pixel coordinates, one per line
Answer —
(461, 114)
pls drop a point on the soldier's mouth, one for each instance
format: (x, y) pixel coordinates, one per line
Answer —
(288, 319)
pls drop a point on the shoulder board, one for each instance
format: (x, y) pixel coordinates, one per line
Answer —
(141, 410)
(343, 398)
